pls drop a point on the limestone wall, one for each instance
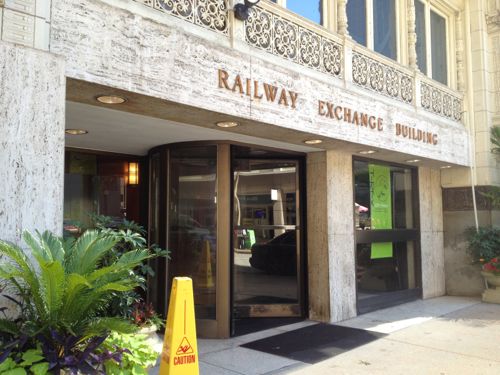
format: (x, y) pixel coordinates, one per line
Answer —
(32, 87)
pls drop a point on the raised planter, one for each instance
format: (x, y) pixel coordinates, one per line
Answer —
(492, 292)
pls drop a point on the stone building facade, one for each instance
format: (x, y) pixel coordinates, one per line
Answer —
(185, 66)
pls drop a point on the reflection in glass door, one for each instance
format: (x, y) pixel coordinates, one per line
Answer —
(266, 238)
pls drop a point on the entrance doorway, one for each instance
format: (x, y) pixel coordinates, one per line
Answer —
(231, 216)
(267, 247)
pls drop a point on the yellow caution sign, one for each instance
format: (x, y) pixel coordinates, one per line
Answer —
(180, 352)
(204, 277)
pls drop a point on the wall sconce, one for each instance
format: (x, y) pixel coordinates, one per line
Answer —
(241, 10)
(133, 173)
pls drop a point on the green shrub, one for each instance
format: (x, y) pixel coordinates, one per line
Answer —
(63, 291)
(138, 356)
(484, 243)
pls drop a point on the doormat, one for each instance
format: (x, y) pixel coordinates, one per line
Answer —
(315, 343)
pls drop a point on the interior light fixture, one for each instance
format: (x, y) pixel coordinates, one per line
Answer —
(76, 131)
(446, 167)
(241, 10)
(313, 141)
(226, 124)
(110, 99)
(367, 152)
(133, 173)
(413, 161)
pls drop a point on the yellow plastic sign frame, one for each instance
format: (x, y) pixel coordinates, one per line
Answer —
(180, 350)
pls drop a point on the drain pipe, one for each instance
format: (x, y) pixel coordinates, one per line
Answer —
(470, 114)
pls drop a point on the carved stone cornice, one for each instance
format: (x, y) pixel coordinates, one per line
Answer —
(493, 22)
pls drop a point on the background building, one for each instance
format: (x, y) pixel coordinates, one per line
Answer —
(313, 161)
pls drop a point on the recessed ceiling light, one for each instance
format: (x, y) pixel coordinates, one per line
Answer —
(367, 152)
(226, 124)
(76, 131)
(111, 99)
(413, 161)
(446, 167)
(313, 141)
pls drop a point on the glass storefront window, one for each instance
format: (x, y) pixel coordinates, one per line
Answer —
(398, 190)
(377, 275)
(192, 222)
(97, 184)
(386, 236)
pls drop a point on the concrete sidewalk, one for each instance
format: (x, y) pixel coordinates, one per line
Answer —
(446, 335)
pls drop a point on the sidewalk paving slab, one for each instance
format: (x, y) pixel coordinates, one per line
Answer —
(442, 336)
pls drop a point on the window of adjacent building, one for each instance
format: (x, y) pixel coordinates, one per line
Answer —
(431, 30)
(373, 24)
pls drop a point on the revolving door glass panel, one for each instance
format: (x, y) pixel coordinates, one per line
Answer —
(192, 222)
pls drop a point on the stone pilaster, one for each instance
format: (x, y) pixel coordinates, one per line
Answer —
(412, 36)
(32, 107)
(331, 264)
(460, 52)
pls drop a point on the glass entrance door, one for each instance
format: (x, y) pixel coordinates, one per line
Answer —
(266, 238)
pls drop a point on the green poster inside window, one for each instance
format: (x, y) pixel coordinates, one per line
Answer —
(381, 207)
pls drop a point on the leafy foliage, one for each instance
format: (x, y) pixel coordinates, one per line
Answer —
(483, 243)
(138, 356)
(63, 290)
(129, 235)
(29, 362)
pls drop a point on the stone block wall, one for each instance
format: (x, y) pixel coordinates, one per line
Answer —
(32, 87)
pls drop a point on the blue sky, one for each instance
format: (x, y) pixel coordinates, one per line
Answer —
(306, 8)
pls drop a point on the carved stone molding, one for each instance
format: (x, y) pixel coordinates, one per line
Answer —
(281, 37)
(384, 79)
(210, 14)
(440, 102)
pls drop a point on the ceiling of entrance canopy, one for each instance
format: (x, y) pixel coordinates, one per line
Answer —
(122, 132)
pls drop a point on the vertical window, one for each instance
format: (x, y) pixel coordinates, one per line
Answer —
(438, 48)
(372, 23)
(356, 14)
(431, 30)
(421, 36)
(384, 28)
(311, 10)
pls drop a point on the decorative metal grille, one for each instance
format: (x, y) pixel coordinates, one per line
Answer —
(286, 39)
(211, 14)
(379, 77)
(440, 102)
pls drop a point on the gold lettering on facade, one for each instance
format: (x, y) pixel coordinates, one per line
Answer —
(257, 90)
(415, 134)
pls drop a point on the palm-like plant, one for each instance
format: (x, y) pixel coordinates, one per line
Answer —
(62, 286)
